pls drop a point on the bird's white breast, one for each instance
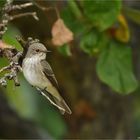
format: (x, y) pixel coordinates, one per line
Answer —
(32, 71)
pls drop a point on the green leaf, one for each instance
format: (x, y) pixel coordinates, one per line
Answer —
(22, 98)
(93, 42)
(10, 36)
(114, 67)
(74, 8)
(51, 119)
(71, 21)
(133, 14)
(65, 50)
(2, 2)
(102, 13)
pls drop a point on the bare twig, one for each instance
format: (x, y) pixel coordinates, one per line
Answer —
(25, 14)
(21, 6)
(14, 68)
(47, 8)
(39, 6)
(5, 68)
(6, 17)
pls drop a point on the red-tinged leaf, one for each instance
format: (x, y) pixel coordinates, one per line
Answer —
(83, 108)
(60, 33)
(3, 45)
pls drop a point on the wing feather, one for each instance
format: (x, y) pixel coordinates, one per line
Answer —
(49, 73)
(57, 97)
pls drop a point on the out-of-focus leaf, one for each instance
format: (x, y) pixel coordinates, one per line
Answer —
(102, 13)
(4, 45)
(83, 108)
(60, 33)
(122, 31)
(51, 119)
(65, 50)
(3, 62)
(93, 42)
(2, 2)
(74, 24)
(114, 68)
(22, 98)
(74, 8)
(133, 14)
(10, 37)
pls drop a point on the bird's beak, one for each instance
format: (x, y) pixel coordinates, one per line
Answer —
(46, 51)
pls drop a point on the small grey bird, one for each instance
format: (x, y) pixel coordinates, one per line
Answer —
(39, 74)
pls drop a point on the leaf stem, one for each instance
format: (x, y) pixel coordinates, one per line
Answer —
(74, 8)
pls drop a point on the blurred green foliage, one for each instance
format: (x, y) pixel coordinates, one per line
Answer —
(50, 119)
(2, 2)
(133, 14)
(65, 50)
(93, 42)
(114, 67)
(10, 36)
(101, 13)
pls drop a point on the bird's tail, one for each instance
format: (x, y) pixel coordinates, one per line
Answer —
(59, 103)
(63, 105)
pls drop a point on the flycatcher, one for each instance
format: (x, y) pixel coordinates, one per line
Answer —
(39, 74)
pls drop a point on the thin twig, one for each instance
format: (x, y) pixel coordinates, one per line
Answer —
(25, 14)
(21, 6)
(39, 6)
(4, 68)
(47, 9)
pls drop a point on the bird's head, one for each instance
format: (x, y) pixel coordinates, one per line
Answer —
(37, 50)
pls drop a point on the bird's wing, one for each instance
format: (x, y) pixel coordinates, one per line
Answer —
(49, 73)
(54, 91)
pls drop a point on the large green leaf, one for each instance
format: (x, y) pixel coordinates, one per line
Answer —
(102, 13)
(93, 42)
(114, 67)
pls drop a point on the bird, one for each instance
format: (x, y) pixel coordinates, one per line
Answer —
(38, 72)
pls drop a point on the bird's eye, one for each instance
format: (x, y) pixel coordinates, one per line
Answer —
(37, 50)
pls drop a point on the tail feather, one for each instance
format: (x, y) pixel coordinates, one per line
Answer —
(63, 105)
(59, 103)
